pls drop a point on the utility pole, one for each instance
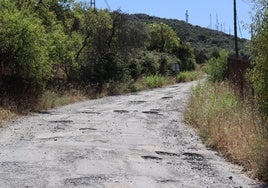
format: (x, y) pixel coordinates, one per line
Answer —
(93, 4)
(235, 29)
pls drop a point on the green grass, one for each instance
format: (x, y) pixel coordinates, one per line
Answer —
(154, 81)
(187, 76)
(231, 126)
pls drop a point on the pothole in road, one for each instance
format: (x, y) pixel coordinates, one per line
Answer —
(163, 153)
(59, 128)
(87, 129)
(193, 156)
(149, 157)
(90, 112)
(85, 181)
(167, 97)
(137, 102)
(197, 161)
(61, 121)
(46, 112)
(167, 181)
(152, 112)
(121, 111)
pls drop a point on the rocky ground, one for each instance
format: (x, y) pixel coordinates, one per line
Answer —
(131, 141)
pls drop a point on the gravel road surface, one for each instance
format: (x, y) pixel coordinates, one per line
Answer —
(132, 141)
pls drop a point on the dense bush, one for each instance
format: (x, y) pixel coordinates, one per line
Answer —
(217, 67)
(186, 55)
(162, 38)
(259, 47)
(200, 56)
(24, 46)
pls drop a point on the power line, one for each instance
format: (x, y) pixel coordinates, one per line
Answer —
(107, 4)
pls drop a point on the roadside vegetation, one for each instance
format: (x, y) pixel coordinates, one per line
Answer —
(235, 125)
(56, 52)
(231, 126)
(61, 51)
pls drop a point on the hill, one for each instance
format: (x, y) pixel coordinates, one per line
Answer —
(202, 39)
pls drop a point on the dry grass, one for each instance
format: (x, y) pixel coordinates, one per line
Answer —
(52, 99)
(6, 115)
(23, 103)
(230, 126)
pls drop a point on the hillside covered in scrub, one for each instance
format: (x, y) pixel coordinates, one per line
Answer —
(200, 38)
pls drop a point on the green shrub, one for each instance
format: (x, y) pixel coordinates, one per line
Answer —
(163, 69)
(150, 64)
(24, 45)
(154, 81)
(217, 67)
(135, 87)
(186, 55)
(135, 68)
(258, 75)
(187, 76)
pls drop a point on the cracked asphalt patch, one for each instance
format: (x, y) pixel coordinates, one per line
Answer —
(132, 141)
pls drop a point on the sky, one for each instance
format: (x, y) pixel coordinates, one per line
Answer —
(201, 12)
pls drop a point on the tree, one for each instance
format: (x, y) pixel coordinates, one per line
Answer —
(108, 40)
(259, 46)
(162, 38)
(23, 47)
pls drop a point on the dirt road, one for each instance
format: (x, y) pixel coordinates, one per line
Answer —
(131, 141)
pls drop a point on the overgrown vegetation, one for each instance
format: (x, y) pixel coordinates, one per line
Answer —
(231, 126)
(217, 67)
(236, 126)
(258, 75)
(46, 45)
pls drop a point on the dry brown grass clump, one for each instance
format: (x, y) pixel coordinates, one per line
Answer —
(231, 126)
(6, 115)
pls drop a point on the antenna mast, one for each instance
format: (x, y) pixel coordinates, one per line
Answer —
(210, 22)
(93, 4)
(217, 22)
(187, 16)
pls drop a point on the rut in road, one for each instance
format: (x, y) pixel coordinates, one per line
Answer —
(137, 140)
